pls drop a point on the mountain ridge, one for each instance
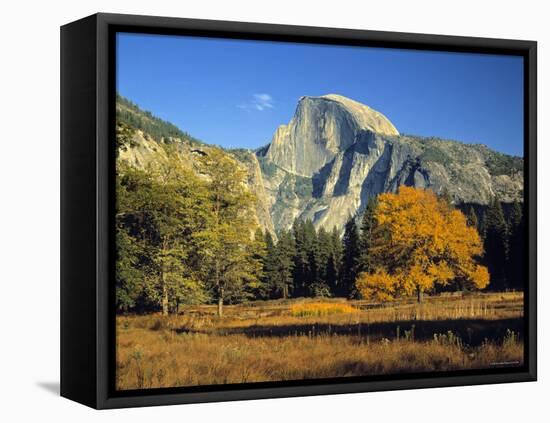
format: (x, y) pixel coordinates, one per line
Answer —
(336, 153)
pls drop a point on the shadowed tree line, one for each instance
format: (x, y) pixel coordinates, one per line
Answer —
(502, 229)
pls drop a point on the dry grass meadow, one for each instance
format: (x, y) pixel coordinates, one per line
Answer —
(307, 339)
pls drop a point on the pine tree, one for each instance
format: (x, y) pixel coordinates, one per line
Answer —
(482, 225)
(368, 224)
(258, 287)
(284, 265)
(517, 256)
(300, 258)
(324, 251)
(312, 252)
(472, 218)
(306, 260)
(325, 264)
(350, 259)
(271, 275)
(336, 263)
(516, 214)
(496, 245)
(336, 244)
(331, 275)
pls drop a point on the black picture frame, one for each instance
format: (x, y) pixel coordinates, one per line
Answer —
(87, 202)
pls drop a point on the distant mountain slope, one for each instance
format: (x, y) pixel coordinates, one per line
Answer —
(149, 135)
(333, 156)
(129, 113)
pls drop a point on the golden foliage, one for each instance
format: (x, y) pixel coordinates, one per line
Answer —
(421, 241)
(320, 309)
(379, 286)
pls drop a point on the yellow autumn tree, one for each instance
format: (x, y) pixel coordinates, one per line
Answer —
(420, 241)
(378, 285)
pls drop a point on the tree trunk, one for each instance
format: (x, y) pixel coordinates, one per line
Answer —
(163, 280)
(220, 289)
(164, 296)
(220, 303)
(419, 295)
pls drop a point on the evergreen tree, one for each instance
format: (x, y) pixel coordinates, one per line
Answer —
(516, 214)
(368, 224)
(283, 265)
(306, 260)
(300, 258)
(332, 243)
(472, 218)
(325, 265)
(258, 287)
(496, 245)
(336, 245)
(271, 275)
(324, 251)
(269, 244)
(482, 225)
(517, 257)
(331, 275)
(312, 252)
(350, 259)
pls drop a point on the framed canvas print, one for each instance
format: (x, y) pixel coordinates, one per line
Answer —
(255, 211)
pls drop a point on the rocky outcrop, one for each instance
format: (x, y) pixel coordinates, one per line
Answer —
(320, 129)
(257, 185)
(336, 153)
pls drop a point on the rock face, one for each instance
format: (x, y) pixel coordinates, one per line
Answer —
(333, 156)
(320, 129)
(336, 153)
(257, 186)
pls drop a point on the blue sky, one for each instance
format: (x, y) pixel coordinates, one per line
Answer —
(235, 93)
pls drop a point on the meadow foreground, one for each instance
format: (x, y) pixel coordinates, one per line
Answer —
(318, 338)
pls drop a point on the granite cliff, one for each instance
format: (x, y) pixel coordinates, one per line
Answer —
(333, 155)
(336, 153)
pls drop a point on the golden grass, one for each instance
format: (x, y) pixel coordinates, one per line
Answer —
(320, 309)
(274, 340)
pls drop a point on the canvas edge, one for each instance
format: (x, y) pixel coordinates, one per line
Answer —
(104, 90)
(78, 337)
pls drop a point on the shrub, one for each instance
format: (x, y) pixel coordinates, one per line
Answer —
(320, 289)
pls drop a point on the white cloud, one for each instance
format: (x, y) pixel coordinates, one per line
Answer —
(259, 101)
(263, 101)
